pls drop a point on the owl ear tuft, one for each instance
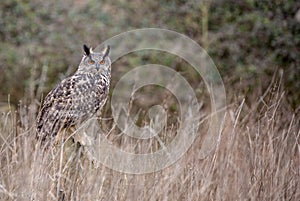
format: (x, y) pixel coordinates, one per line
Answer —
(106, 51)
(91, 50)
(86, 50)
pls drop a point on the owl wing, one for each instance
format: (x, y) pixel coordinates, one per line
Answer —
(72, 101)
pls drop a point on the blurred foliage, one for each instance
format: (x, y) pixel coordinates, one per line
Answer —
(248, 39)
(255, 38)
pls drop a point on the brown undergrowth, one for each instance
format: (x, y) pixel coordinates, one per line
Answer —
(257, 158)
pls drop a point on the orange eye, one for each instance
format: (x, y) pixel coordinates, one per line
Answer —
(102, 62)
(91, 62)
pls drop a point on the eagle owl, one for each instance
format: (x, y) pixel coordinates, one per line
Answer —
(76, 98)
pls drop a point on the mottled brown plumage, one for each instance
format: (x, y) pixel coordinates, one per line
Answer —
(76, 98)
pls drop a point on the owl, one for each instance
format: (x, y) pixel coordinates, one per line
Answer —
(76, 98)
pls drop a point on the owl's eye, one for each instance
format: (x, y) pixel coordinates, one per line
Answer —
(102, 62)
(91, 62)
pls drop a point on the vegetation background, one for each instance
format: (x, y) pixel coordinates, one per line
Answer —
(254, 43)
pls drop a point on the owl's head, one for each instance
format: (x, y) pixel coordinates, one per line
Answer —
(96, 62)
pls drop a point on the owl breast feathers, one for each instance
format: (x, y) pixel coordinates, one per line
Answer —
(76, 98)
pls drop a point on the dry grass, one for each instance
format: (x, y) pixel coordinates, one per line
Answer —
(258, 158)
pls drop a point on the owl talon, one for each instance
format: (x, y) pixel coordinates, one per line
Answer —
(83, 139)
